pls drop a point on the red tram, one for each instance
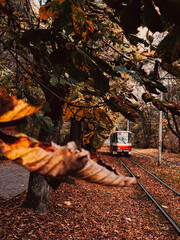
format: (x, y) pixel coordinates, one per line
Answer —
(120, 142)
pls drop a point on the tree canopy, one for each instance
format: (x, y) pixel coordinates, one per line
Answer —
(93, 47)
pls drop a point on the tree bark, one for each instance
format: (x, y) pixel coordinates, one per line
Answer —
(38, 188)
(76, 132)
(38, 193)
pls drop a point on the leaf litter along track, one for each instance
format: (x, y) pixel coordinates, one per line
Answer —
(169, 198)
(87, 211)
(168, 217)
(172, 164)
(158, 179)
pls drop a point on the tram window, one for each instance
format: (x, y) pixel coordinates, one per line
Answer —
(122, 138)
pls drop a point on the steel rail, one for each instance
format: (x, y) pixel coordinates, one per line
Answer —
(173, 223)
(178, 193)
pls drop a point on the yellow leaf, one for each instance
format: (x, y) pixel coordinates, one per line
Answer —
(67, 203)
(81, 25)
(46, 159)
(19, 109)
(67, 114)
(164, 206)
(88, 137)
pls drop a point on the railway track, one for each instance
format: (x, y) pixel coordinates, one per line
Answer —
(167, 216)
(154, 176)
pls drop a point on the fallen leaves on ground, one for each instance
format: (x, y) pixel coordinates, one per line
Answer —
(96, 212)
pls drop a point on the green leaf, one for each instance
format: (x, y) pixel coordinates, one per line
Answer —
(54, 80)
(45, 122)
(46, 107)
(105, 67)
(121, 69)
(63, 16)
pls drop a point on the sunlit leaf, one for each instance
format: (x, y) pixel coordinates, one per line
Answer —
(68, 203)
(79, 115)
(49, 10)
(126, 108)
(161, 105)
(15, 108)
(67, 113)
(88, 137)
(46, 159)
(81, 24)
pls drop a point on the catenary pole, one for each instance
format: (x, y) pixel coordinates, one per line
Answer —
(127, 125)
(160, 134)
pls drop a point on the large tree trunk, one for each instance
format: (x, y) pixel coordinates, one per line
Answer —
(76, 132)
(38, 193)
(38, 188)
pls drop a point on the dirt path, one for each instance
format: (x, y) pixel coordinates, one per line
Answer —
(13, 180)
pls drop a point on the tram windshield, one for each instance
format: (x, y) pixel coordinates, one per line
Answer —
(123, 137)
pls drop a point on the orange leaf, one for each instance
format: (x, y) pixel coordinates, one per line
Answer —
(81, 25)
(91, 126)
(87, 137)
(13, 108)
(3, 3)
(30, 70)
(48, 10)
(44, 12)
(26, 75)
(67, 203)
(36, 156)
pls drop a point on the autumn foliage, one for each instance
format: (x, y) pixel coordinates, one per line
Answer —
(49, 159)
